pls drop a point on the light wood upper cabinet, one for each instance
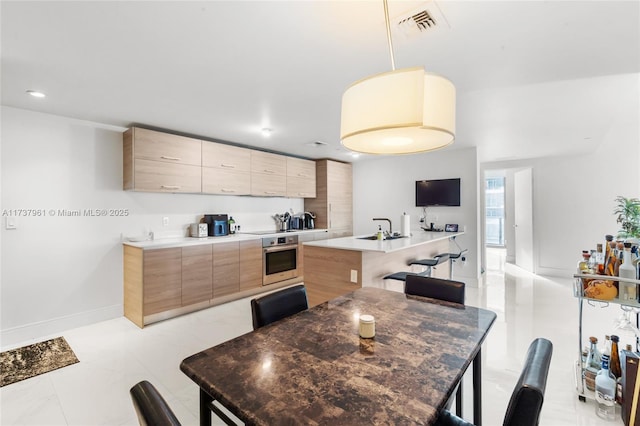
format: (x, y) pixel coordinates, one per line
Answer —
(161, 162)
(162, 277)
(250, 264)
(156, 176)
(226, 268)
(166, 147)
(333, 204)
(197, 274)
(301, 178)
(268, 174)
(226, 157)
(226, 169)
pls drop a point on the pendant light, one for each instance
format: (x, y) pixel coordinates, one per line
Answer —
(402, 111)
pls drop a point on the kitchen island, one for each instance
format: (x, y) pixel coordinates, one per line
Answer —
(340, 265)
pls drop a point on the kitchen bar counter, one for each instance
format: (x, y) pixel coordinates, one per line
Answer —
(417, 238)
(192, 241)
(338, 266)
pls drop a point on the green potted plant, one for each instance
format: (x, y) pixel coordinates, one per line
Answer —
(628, 211)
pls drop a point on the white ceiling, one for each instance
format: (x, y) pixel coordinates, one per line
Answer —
(226, 69)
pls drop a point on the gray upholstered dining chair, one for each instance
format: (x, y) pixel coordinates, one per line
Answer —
(445, 290)
(527, 397)
(278, 305)
(151, 407)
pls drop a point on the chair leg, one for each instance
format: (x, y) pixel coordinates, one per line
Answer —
(459, 400)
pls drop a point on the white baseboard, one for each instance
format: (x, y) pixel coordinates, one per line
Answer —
(31, 333)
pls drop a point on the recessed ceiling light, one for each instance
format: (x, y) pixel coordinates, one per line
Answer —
(266, 132)
(36, 94)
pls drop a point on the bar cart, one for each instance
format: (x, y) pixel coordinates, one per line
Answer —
(629, 307)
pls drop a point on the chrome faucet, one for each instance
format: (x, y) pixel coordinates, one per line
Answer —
(388, 220)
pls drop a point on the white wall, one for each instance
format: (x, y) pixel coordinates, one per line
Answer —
(573, 194)
(61, 272)
(385, 187)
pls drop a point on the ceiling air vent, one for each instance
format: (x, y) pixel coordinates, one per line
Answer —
(421, 20)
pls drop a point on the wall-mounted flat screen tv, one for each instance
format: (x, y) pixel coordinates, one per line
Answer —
(439, 192)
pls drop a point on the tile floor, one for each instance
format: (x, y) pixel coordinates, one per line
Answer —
(115, 354)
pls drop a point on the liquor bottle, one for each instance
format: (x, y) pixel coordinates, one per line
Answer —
(232, 225)
(615, 368)
(606, 353)
(583, 264)
(607, 252)
(600, 259)
(614, 360)
(610, 262)
(594, 357)
(605, 393)
(627, 270)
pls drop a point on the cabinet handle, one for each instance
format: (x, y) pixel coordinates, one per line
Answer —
(229, 166)
(268, 171)
(166, 157)
(228, 190)
(169, 187)
(269, 192)
(302, 175)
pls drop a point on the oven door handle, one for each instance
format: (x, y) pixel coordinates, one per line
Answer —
(274, 249)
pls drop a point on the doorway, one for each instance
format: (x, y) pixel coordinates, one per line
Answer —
(508, 216)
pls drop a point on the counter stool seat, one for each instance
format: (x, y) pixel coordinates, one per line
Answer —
(429, 263)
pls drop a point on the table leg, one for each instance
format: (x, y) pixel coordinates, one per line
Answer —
(205, 411)
(459, 400)
(477, 389)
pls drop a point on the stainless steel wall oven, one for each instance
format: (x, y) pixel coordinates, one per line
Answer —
(280, 258)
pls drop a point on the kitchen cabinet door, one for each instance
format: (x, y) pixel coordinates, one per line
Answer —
(156, 176)
(197, 274)
(161, 162)
(301, 178)
(250, 264)
(226, 268)
(226, 169)
(333, 204)
(165, 147)
(162, 278)
(226, 182)
(229, 157)
(268, 174)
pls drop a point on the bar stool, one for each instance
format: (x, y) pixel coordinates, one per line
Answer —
(453, 257)
(428, 263)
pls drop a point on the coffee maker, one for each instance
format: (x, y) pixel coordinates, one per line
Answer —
(218, 224)
(309, 220)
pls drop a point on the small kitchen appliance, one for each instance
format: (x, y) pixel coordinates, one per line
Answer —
(309, 220)
(218, 224)
(199, 230)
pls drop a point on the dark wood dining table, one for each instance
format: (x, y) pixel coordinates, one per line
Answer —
(313, 368)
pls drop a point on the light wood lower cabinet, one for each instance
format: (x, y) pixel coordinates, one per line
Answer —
(197, 274)
(162, 275)
(226, 269)
(250, 264)
(167, 282)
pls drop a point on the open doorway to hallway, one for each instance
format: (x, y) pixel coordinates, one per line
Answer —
(508, 216)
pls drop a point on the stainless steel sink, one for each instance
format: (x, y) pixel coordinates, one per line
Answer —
(375, 237)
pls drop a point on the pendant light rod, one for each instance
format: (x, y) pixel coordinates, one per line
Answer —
(386, 18)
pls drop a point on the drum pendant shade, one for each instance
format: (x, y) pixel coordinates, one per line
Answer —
(403, 111)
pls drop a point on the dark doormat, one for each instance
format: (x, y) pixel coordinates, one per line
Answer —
(33, 360)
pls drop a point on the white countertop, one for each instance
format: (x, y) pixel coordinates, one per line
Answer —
(386, 246)
(192, 241)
